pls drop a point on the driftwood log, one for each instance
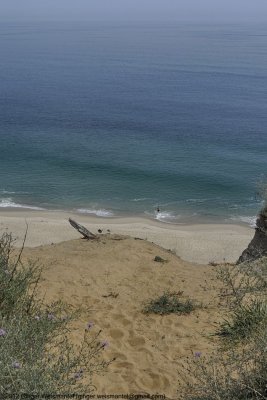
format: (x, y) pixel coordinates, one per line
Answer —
(257, 248)
(82, 230)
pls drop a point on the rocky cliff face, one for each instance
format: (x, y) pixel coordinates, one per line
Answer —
(257, 248)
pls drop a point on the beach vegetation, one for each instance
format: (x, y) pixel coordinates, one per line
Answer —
(238, 369)
(37, 356)
(170, 303)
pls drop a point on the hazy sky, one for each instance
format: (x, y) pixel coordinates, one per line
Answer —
(134, 10)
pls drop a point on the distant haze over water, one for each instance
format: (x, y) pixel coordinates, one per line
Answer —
(119, 119)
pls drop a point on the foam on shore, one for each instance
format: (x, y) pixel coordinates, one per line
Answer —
(8, 203)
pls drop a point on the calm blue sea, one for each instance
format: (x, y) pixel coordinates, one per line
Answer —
(116, 120)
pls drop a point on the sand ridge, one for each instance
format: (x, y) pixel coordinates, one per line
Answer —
(199, 243)
(112, 278)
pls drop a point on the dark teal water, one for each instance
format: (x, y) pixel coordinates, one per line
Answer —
(117, 119)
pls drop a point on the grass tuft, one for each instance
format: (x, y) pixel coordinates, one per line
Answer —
(170, 303)
(244, 321)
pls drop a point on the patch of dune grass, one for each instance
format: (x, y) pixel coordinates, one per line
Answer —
(170, 303)
(244, 321)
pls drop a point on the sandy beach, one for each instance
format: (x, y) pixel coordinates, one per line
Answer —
(202, 243)
(114, 276)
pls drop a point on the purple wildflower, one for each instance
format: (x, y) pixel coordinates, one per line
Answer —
(16, 365)
(37, 317)
(79, 374)
(89, 326)
(2, 332)
(198, 354)
(105, 344)
(51, 317)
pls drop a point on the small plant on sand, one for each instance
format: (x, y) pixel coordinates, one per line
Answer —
(170, 303)
(37, 357)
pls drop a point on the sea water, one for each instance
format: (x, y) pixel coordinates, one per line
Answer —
(119, 119)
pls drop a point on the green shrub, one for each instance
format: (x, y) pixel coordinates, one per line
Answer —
(36, 354)
(170, 303)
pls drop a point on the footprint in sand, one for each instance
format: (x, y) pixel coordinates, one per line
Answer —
(121, 319)
(147, 355)
(136, 341)
(153, 381)
(125, 364)
(119, 357)
(116, 333)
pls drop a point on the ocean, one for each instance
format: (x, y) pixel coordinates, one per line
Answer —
(119, 119)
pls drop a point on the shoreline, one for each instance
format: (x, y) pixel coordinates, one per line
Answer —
(169, 217)
(200, 243)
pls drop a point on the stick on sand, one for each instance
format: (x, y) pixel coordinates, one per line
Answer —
(81, 229)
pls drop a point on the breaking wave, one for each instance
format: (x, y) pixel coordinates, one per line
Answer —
(99, 213)
(251, 221)
(8, 203)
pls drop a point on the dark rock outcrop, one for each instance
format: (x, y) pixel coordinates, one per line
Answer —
(257, 248)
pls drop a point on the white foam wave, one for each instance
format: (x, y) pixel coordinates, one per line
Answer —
(99, 213)
(251, 221)
(165, 216)
(8, 203)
